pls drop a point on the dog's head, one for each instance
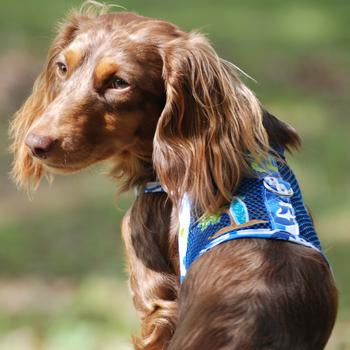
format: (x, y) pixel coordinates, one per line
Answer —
(155, 100)
(98, 97)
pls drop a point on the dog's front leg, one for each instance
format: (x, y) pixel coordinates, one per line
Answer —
(151, 256)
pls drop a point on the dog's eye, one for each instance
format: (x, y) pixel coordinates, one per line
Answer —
(62, 68)
(117, 83)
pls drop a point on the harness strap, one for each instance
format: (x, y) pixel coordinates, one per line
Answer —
(152, 187)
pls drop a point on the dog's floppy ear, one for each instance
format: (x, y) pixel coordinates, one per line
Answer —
(210, 128)
(280, 133)
(26, 171)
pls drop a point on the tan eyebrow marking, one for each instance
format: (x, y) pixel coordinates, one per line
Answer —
(73, 58)
(105, 68)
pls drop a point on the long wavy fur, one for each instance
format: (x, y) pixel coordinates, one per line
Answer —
(211, 126)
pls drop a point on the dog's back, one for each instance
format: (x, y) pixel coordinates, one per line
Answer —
(257, 294)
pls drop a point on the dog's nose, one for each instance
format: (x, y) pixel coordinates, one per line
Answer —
(39, 145)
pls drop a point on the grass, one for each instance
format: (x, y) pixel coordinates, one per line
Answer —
(61, 313)
(62, 281)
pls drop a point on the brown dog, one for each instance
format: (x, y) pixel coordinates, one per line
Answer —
(161, 105)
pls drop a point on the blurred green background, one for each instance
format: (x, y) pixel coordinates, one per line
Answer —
(62, 280)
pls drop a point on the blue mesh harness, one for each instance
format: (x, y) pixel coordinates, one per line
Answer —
(268, 205)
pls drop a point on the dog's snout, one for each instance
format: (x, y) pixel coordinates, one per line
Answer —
(39, 145)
